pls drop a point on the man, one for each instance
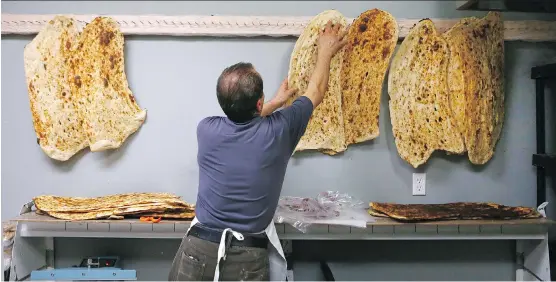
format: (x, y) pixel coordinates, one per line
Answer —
(242, 162)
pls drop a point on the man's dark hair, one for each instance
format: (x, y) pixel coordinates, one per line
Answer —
(238, 89)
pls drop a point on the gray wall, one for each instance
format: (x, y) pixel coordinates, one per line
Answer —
(174, 79)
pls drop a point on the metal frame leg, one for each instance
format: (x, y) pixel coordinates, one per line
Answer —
(533, 254)
(287, 246)
(28, 254)
(541, 139)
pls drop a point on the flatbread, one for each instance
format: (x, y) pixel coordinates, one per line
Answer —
(372, 39)
(115, 213)
(451, 211)
(112, 207)
(170, 215)
(421, 116)
(374, 213)
(57, 123)
(476, 82)
(81, 204)
(456, 81)
(107, 105)
(325, 131)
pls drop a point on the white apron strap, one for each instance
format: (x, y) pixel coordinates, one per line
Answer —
(193, 222)
(276, 254)
(222, 249)
(277, 260)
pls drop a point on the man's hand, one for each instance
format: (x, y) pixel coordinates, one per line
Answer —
(282, 95)
(331, 39)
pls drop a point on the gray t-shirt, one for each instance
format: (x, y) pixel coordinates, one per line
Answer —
(242, 166)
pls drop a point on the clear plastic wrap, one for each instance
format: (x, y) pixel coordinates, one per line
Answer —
(330, 207)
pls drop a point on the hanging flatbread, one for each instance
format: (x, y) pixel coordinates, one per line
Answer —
(372, 39)
(107, 105)
(420, 112)
(451, 211)
(476, 82)
(57, 123)
(456, 82)
(325, 131)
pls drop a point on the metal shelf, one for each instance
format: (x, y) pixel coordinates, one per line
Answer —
(34, 243)
(541, 160)
(544, 71)
(546, 161)
(32, 225)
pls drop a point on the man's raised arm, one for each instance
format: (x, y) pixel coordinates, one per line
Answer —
(282, 95)
(330, 41)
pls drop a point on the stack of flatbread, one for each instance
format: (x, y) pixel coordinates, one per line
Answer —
(78, 90)
(350, 108)
(450, 211)
(116, 206)
(446, 90)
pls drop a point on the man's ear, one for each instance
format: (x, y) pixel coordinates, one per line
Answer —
(260, 104)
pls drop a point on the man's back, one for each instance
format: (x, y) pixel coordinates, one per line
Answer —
(242, 166)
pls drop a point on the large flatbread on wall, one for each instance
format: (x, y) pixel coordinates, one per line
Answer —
(325, 131)
(107, 105)
(57, 124)
(476, 82)
(420, 112)
(372, 39)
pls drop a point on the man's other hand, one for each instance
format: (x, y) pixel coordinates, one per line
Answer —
(331, 40)
(284, 93)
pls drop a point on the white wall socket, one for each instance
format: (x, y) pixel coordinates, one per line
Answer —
(419, 181)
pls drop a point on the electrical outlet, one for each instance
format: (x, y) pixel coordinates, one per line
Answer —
(419, 181)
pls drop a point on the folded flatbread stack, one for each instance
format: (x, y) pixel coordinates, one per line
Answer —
(325, 130)
(114, 206)
(56, 119)
(450, 211)
(420, 112)
(106, 104)
(169, 214)
(372, 39)
(476, 82)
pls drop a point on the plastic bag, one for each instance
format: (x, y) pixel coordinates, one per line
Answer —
(8, 234)
(330, 207)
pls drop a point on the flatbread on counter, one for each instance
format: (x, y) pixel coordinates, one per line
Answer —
(372, 39)
(476, 82)
(56, 120)
(420, 112)
(169, 215)
(121, 213)
(451, 211)
(81, 204)
(116, 213)
(106, 103)
(325, 131)
(112, 206)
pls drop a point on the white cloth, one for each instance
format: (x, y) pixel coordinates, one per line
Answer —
(277, 265)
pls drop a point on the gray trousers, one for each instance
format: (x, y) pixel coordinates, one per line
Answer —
(196, 261)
